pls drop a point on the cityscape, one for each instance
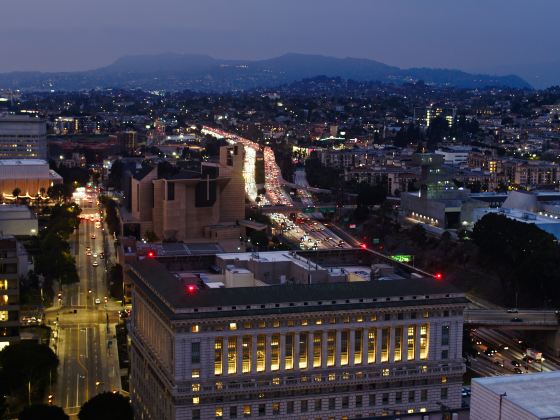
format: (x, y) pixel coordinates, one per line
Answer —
(307, 236)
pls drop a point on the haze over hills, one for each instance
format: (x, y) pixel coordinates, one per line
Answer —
(204, 73)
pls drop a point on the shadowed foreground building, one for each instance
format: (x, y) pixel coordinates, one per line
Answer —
(293, 351)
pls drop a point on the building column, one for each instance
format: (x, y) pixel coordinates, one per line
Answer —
(239, 354)
(391, 344)
(324, 350)
(404, 353)
(378, 341)
(311, 336)
(365, 333)
(282, 366)
(268, 340)
(417, 343)
(296, 351)
(224, 356)
(254, 353)
(351, 338)
(337, 346)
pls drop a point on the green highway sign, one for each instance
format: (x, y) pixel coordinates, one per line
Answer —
(309, 210)
(402, 258)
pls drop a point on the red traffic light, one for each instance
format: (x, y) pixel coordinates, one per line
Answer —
(438, 276)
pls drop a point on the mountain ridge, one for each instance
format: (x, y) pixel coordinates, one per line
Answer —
(199, 72)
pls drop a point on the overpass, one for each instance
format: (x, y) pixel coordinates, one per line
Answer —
(521, 320)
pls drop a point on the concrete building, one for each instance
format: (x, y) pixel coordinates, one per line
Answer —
(300, 342)
(22, 137)
(29, 175)
(190, 206)
(13, 264)
(520, 397)
(18, 221)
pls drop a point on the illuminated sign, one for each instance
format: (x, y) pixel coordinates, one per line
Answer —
(402, 258)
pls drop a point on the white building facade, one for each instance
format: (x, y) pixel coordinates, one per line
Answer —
(22, 137)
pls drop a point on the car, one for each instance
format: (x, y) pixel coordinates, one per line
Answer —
(97, 301)
(499, 363)
(515, 363)
(516, 319)
(92, 236)
(101, 255)
(517, 370)
(94, 255)
(527, 359)
(512, 311)
(95, 263)
(88, 253)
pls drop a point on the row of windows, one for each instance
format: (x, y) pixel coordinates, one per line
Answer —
(315, 349)
(234, 326)
(320, 404)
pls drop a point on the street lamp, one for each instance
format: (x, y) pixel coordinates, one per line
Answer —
(501, 398)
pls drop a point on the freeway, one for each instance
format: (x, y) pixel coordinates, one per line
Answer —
(84, 322)
(518, 319)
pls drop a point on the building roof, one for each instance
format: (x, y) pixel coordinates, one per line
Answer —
(169, 294)
(22, 162)
(536, 393)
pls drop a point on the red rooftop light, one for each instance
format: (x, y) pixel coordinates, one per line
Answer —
(191, 288)
(151, 254)
(438, 276)
(363, 246)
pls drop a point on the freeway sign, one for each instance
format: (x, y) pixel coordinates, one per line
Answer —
(309, 210)
(402, 258)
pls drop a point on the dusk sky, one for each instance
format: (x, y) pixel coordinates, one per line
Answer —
(479, 35)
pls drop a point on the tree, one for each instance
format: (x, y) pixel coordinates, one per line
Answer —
(106, 406)
(16, 192)
(43, 412)
(116, 281)
(28, 368)
(259, 238)
(151, 236)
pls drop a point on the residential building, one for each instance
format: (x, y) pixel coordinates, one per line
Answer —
(279, 336)
(14, 262)
(22, 137)
(521, 397)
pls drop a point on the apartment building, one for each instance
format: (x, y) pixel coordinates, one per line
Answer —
(22, 137)
(286, 349)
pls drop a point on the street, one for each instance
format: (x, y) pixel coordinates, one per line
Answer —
(84, 322)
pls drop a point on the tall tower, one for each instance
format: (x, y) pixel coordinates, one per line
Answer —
(232, 197)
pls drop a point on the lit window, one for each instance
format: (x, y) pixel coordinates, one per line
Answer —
(246, 356)
(373, 317)
(275, 352)
(261, 353)
(247, 410)
(398, 343)
(358, 345)
(444, 379)
(385, 344)
(219, 412)
(317, 346)
(303, 350)
(195, 373)
(195, 328)
(218, 356)
(386, 372)
(332, 377)
(289, 352)
(276, 381)
(276, 324)
(195, 387)
(232, 326)
(196, 400)
(371, 345)
(232, 355)
(304, 322)
(424, 341)
(411, 332)
(360, 319)
(318, 322)
(410, 411)
(331, 348)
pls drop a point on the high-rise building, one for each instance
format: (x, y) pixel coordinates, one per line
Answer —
(13, 264)
(22, 137)
(280, 348)
(128, 141)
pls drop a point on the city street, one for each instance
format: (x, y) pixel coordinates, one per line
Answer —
(84, 321)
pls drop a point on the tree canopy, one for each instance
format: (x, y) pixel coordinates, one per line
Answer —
(106, 406)
(43, 412)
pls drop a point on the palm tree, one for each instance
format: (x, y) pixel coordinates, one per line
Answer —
(16, 192)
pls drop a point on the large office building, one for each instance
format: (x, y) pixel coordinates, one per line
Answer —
(188, 205)
(279, 336)
(22, 137)
(520, 397)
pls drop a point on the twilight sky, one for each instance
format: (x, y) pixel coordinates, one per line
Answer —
(495, 36)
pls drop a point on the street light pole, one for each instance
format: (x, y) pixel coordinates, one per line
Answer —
(501, 398)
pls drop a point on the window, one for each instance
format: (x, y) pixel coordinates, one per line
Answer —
(345, 401)
(385, 398)
(195, 352)
(233, 412)
(358, 401)
(371, 400)
(289, 352)
(290, 407)
(411, 396)
(317, 345)
(445, 335)
(246, 411)
(332, 403)
(303, 406)
(385, 343)
(358, 345)
(196, 414)
(387, 317)
(196, 400)
(331, 348)
(275, 352)
(444, 354)
(424, 341)
(318, 405)
(195, 373)
(195, 328)
(344, 348)
(261, 353)
(218, 356)
(411, 332)
(195, 387)
(424, 395)
(398, 397)
(232, 355)
(233, 326)
(170, 191)
(371, 345)
(247, 345)
(262, 410)
(219, 412)
(443, 393)
(303, 350)
(398, 343)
